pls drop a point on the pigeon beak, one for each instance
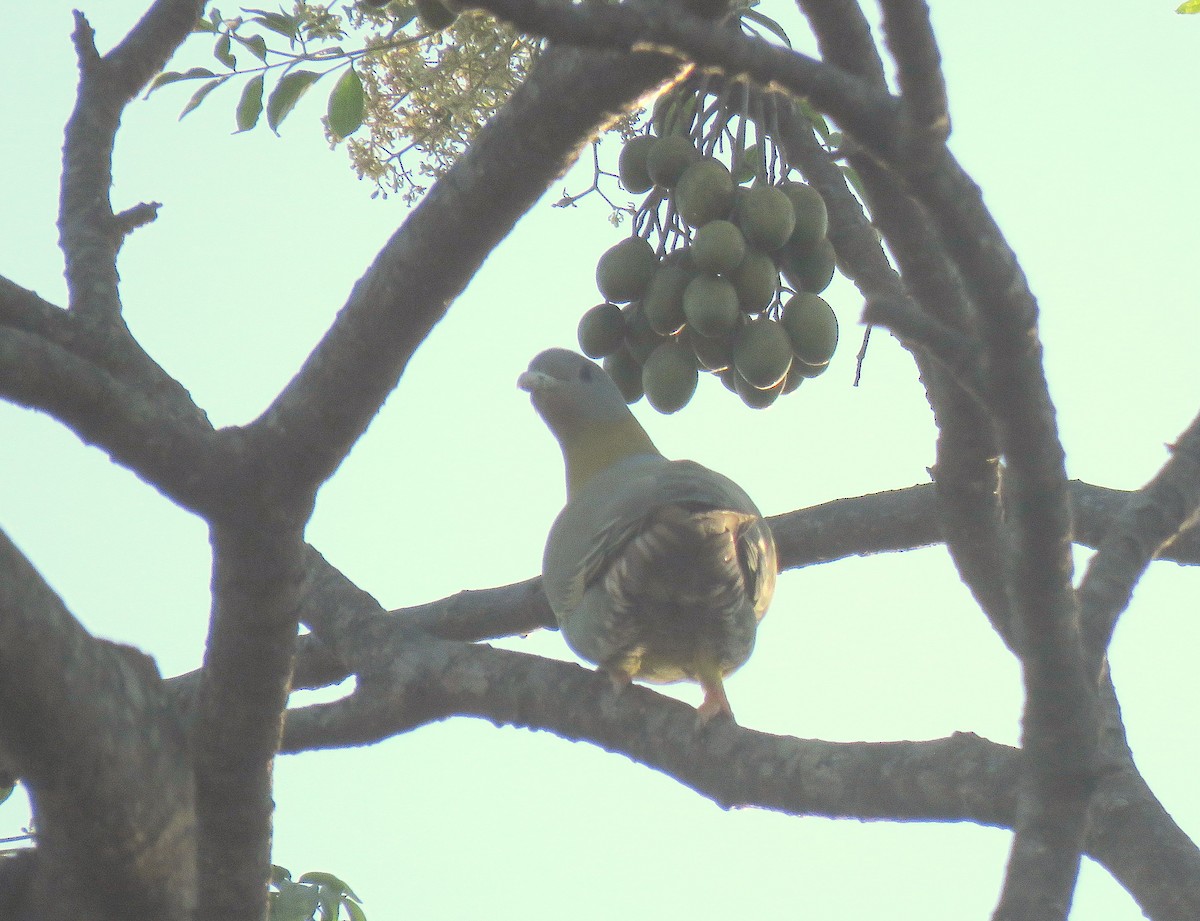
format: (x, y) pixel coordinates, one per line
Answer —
(534, 381)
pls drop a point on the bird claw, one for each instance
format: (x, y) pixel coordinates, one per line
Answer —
(715, 706)
(620, 680)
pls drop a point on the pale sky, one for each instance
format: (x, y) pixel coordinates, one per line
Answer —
(1081, 126)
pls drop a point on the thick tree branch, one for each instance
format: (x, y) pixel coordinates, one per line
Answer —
(90, 233)
(638, 25)
(911, 42)
(1151, 519)
(176, 453)
(243, 691)
(1059, 725)
(569, 97)
(966, 471)
(85, 723)
(962, 778)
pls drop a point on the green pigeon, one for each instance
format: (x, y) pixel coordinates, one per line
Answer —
(655, 569)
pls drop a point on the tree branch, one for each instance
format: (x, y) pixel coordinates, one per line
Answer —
(1151, 519)
(961, 778)
(243, 691)
(90, 234)
(638, 25)
(175, 453)
(911, 42)
(85, 723)
(569, 97)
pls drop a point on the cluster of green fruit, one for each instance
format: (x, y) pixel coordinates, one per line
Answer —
(714, 303)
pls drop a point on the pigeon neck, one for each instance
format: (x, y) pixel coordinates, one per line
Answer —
(597, 447)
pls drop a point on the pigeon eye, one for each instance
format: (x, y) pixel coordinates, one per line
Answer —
(585, 373)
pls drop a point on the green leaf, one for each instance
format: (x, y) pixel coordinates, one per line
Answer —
(855, 181)
(6, 790)
(1191, 6)
(745, 164)
(255, 44)
(325, 879)
(355, 913)
(330, 901)
(279, 23)
(347, 104)
(294, 902)
(249, 107)
(222, 53)
(200, 94)
(285, 96)
(818, 120)
(769, 24)
(174, 76)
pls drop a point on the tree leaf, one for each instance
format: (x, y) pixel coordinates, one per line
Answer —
(174, 76)
(769, 24)
(255, 44)
(249, 107)
(222, 53)
(279, 23)
(818, 120)
(294, 902)
(1191, 6)
(855, 180)
(200, 94)
(285, 96)
(347, 104)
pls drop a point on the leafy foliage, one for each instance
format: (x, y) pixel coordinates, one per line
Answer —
(419, 79)
(320, 896)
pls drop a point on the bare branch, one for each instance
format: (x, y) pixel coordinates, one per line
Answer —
(243, 690)
(910, 39)
(668, 28)
(90, 234)
(1152, 518)
(961, 778)
(106, 764)
(176, 454)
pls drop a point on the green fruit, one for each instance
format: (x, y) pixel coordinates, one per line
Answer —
(746, 166)
(601, 330)
(673, 113)
(434, 15)
(626, 373)
(713, 354)
(669, 377)
(766, 217)
(710, 305)
(756, 280)
(640, 337)
(663, 300)
(718, 247)
(704, 192)
(803, 369)
(808, 268)
(669, 158)
(762, 353)
(794, 378)
(812, 217)
(632, 163)
(625, 269)
(812, 326)
(752, 396)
